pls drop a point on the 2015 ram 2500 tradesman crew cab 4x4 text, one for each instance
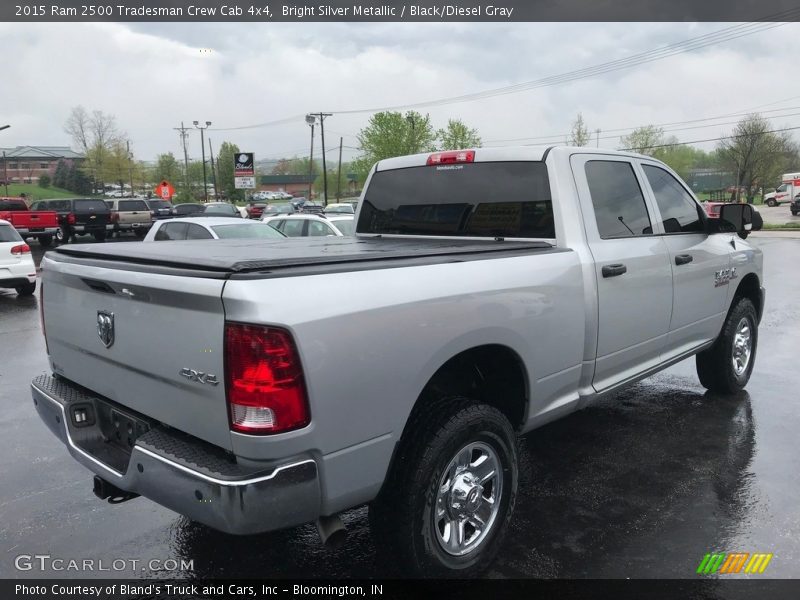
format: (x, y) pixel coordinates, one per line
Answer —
(486, 292)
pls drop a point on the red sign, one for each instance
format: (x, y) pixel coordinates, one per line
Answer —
(164, 190)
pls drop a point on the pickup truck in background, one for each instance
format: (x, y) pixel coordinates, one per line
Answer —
(486, 292)
(39, 224)
(78, 216)
(132, 214)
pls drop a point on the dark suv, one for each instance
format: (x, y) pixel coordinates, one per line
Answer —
(78, 216)
(795, 205)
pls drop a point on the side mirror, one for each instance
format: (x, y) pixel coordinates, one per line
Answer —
(740, 218)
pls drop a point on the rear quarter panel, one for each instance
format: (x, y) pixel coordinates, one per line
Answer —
(370, 340)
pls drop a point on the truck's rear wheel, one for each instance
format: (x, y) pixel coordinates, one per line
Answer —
(99, 236)
(45, 241)
(448, 501)
(62, 236)
(727, 365)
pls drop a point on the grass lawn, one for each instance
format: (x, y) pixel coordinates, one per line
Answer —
(34, 192)
(784, 226)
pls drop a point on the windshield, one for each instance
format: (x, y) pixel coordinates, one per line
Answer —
(221, 209)
(245, 231)
(492, 199)
(346, 226)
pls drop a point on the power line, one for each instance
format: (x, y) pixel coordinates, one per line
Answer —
(688, 45)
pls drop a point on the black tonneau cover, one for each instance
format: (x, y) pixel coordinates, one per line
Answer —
(266, 256)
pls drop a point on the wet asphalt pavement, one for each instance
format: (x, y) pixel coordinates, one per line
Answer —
(641, 485)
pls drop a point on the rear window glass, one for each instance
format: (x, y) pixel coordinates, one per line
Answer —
(91, 205)
(55, 205)
(155, 204)
(13, 205)
(346, 226)
(493, 199)
(185, 209)
(9, 234)
(132, 205)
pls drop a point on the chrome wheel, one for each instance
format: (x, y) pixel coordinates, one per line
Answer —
(468, 499)
(742, 347)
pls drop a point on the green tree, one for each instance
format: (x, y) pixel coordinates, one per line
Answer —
(60, 175)
(166, 167)
(457, 135)
(643, 140)
(292, 166)
(391, 134)
(225, 161)
(579, 136)
(96, 135)
(44, 181)
(755, 153)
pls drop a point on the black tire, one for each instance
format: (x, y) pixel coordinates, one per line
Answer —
(27, 289)
(140, 233)
(99, 236)
(715, 366)
(403, 517)
(62, 236)
(45, 241)
(771, 203)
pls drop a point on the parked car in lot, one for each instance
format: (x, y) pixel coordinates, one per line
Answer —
(78, 216)
(487, 292)
(302, 225)
(39, 224)
(160, 209)
(16, 263)
(341, 208)
(220, 209)
(254, 210)
(188, 208)
(130, 215)
(209, 228)
(312, 208)
(280, 208)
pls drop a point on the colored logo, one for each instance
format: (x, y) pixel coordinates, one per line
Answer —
(726, 563)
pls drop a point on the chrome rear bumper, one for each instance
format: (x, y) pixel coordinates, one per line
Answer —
(186, 474)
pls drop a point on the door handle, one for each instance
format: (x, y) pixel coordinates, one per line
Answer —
(614, 270)
(683, 259)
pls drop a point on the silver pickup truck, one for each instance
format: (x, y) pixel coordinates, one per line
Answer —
(254, 385)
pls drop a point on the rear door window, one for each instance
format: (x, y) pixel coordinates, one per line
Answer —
(293, 227)
(196, 232)
(490, 199)
(171, 232)
(618, 201)
(317, 229)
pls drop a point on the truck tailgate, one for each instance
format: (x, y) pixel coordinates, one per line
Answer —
(129, 335)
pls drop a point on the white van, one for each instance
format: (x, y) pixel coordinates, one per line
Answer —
(788, 189)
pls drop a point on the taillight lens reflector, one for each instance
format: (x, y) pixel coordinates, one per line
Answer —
(71, 219)
(264, 380)
(20, 249)
(455, 156)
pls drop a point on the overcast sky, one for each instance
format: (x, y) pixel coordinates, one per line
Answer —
(153, 76)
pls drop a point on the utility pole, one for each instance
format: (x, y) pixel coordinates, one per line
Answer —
(310, 157)
(184, 134)
(598, 137)
(5, 171)
(321, 116)
(213, 170)
(130, 165)
(339, 174)
(203, 151)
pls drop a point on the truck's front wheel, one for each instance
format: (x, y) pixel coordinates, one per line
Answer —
(450, 497)
(726, 366)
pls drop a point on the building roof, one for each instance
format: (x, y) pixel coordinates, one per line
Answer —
(41, 152)
(284, 179)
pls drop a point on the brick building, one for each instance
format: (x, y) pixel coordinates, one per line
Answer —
(297, 185)
(25, 164)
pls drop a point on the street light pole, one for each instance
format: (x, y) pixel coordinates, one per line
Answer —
(5, 164)
(203, 153)
(311, 120)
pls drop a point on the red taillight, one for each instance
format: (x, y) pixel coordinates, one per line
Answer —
(455, 156)
(115, 217)
(264, 380)
(20, 249)
(71, 219)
